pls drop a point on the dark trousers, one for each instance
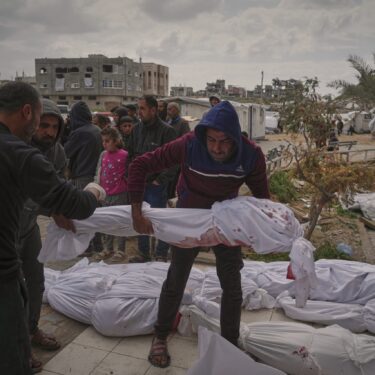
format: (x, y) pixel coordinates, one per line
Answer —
(156, 196)
(228, 265)
(14, 335)
(28, 248)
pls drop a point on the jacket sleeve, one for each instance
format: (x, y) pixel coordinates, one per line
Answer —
(169, 155)
(257, 180)
(41, 183)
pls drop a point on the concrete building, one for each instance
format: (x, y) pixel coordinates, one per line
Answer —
(155, 79)
(217, 87)
(236, 91)
(182, 91)
(100, 81)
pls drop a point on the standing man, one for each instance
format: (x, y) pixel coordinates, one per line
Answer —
(181, 127)
(83, 149)
(132, 112)
(162, 110)
(147, 136)
(215, 161)
(25, 173)
(46, 139)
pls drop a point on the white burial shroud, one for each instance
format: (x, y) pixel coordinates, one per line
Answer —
(264, 225)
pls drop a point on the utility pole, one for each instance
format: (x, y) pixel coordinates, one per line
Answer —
(261, 84)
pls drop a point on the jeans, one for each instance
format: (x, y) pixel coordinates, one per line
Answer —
(156, 196)
(228, 265)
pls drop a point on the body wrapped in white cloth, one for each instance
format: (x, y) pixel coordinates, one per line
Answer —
(264, 225)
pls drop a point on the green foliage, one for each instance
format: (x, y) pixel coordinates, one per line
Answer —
(346, 213)
(364, 90)
(273, 257)
(328, 251)
(282, 187)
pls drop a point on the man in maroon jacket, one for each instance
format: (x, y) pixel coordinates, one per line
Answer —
(215, 160)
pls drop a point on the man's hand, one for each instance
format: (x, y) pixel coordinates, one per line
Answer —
(63, 222)
(141, 224)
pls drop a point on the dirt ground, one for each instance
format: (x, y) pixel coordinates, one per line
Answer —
(363, 139)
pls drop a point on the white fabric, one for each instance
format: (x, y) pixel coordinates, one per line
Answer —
(88, 81)
(119, 300)
(264, 225)
(219, 357)
(369, 315)
(349, 316)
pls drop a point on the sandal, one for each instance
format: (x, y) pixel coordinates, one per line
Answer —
(104, 254)
(159, 356)
(35, 364)
(45, 341)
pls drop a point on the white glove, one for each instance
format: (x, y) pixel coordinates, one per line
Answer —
(95, 186)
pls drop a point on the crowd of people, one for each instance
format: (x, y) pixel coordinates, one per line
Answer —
(146, 153)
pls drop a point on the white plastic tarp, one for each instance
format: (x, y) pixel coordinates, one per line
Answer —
(296, 348)
(218, 356)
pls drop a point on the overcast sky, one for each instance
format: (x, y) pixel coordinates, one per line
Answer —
(199, 40)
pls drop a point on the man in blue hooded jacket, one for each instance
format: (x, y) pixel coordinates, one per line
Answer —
(215, 160)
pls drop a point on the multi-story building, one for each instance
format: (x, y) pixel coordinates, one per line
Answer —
(182, 91)
(236, 91)
(217, 87)
(100, 81)
(155, 79)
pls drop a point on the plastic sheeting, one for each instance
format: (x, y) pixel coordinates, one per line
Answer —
(217, 356)
(296, 348)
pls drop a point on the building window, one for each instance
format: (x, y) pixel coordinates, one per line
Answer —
(112, 84)
(61, 70)
(87, 75)
(45, 96)
(73, 69)
(43, 86)
(59, 75)
(62, 97)
(91, 97)
(43, 71)
(74, 85)
(97, 103)
(107, 68)
(89, 69)
(77, 97)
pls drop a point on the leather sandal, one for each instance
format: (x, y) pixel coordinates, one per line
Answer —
(45, 341)
(159, 356)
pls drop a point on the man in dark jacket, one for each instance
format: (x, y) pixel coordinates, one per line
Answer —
(46, 139)
(83, 149)
(25, 173)
(215, 161)
(84, 145)
(147, 136)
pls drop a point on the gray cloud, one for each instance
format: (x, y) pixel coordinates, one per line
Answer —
(199, 40)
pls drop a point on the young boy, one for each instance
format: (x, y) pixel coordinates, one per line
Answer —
(125, 126)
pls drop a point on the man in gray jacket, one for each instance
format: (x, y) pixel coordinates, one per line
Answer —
(46, 139)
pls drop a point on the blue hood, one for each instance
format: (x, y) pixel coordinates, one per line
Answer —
(80, 115)
(221, 117)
